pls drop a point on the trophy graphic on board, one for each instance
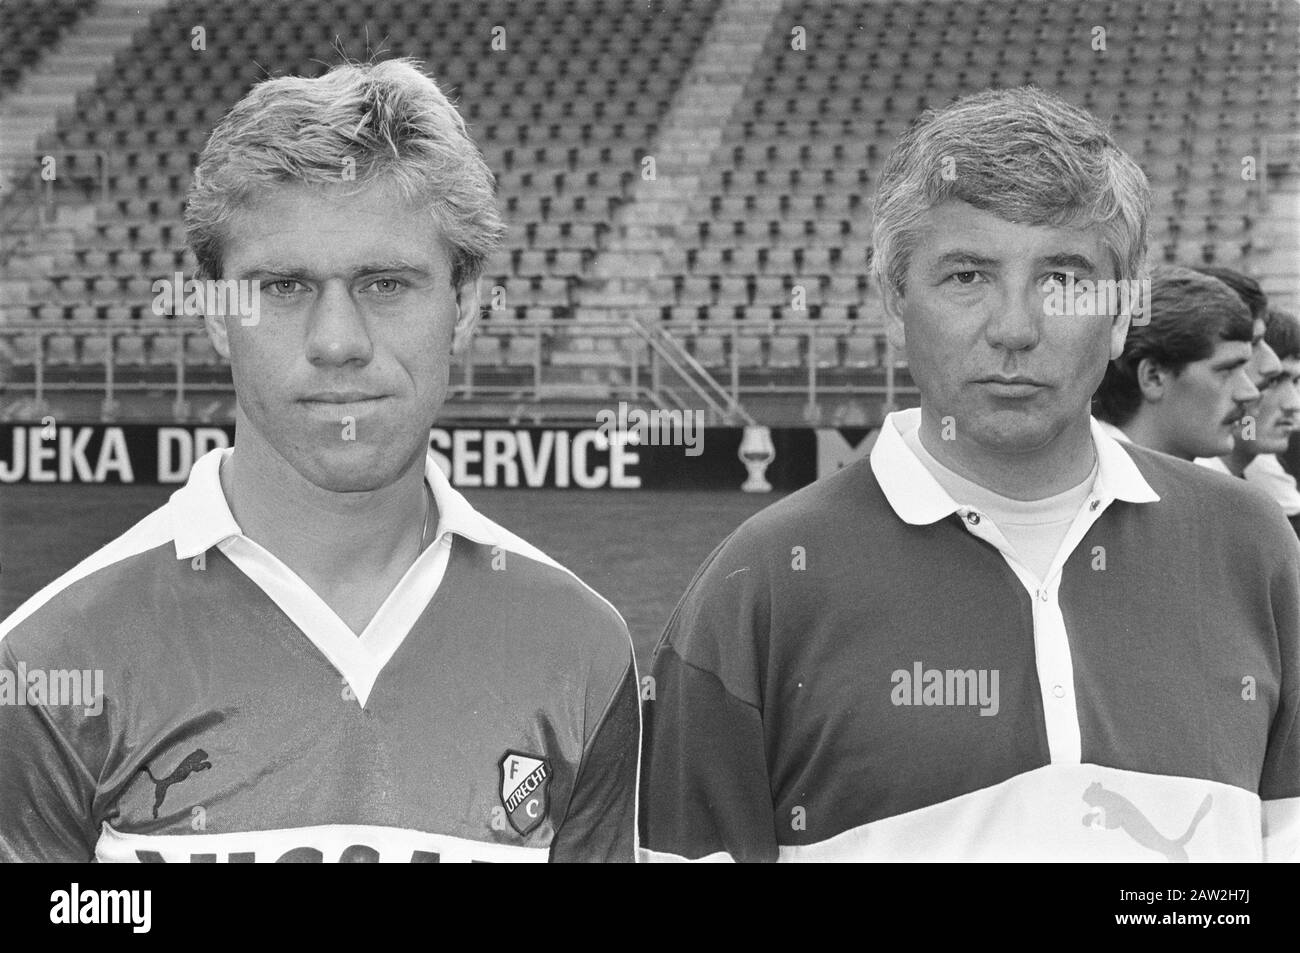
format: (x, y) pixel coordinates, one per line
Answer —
(756, 452)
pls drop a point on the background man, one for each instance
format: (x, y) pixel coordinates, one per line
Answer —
(1267, 429)
(1004, 634)
(318, 650)
(1183, 380)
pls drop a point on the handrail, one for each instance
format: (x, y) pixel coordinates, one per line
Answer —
(666, 353)
(25, 170)
(734, 407)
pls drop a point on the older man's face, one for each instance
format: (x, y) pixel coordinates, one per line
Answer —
(348, 363)
(980, 343)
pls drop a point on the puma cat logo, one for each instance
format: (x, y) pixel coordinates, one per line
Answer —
(1110, 810)
(196, 760)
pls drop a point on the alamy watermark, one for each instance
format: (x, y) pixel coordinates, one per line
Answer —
(655, 428)
(56, 686)
(946, 687)
(218, 297)
(1088, 298)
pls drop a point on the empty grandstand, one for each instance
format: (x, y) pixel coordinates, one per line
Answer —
(687, 182)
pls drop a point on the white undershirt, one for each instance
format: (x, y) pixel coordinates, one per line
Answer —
(1034, 528)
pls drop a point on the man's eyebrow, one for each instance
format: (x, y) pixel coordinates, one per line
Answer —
(1070, 260)
(962, 257)
(278, 270)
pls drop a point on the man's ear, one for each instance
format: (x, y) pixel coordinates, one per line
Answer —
(466, 317)
(895, 328)
(1119, 333)
(215, 324)
(1151, 380)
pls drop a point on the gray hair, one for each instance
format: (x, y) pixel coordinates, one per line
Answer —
(357, 124)
(1022, 154)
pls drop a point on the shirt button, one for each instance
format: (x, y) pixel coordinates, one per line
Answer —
(973, 519)
(1094, 504)
(1042, 594)
(1058, 690)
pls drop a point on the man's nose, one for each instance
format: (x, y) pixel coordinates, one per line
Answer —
(1244, 391)
(1266, 363)
(336, 328)
(1291, 396)
(1016, 322)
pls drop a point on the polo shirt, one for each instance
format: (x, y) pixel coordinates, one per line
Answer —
(1111, 430)
(488, 712)
(1033, 528)
(1266, 472)
(1214, 463)
(864, 671)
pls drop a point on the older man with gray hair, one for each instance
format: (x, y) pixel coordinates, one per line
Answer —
(1004, 635)
(317, 649)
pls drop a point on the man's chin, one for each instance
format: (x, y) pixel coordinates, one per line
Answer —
(1011, 431)
(351, 468)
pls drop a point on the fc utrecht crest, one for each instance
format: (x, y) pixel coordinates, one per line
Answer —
(525, 781)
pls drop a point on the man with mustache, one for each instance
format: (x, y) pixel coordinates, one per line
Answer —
(960, 646)
(1266, 430)
(1185, 377)
(366, 667)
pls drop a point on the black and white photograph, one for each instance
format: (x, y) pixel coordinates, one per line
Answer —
(637, 431)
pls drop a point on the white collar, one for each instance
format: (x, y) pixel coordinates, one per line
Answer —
(202, 518)
(918, 498)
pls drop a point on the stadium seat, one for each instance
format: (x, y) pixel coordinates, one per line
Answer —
(486, 350)
(733, 290)
(861, 350)
(25, 350)
(784, 352)
(748, 349)
(94, 348)
(824, 351)
(129, 350)
(165, 348)
(780, 261)
(709, 350)
(770, 290)
(60, 349)
(199, 350)
(522, 349)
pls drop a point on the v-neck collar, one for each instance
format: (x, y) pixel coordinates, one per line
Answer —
(202, 519)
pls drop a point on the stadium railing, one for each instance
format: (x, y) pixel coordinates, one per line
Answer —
(712, 366)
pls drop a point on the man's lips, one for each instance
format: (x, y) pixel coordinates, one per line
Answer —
(340, 397)
(336, 405)
(1010, 386)
(1009, 379)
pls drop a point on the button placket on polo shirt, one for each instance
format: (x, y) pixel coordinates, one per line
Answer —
(1052, 644)
(1052, 656)
(1055, 665)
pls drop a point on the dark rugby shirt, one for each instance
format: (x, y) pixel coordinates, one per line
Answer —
(865, 671)
(487, 713)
